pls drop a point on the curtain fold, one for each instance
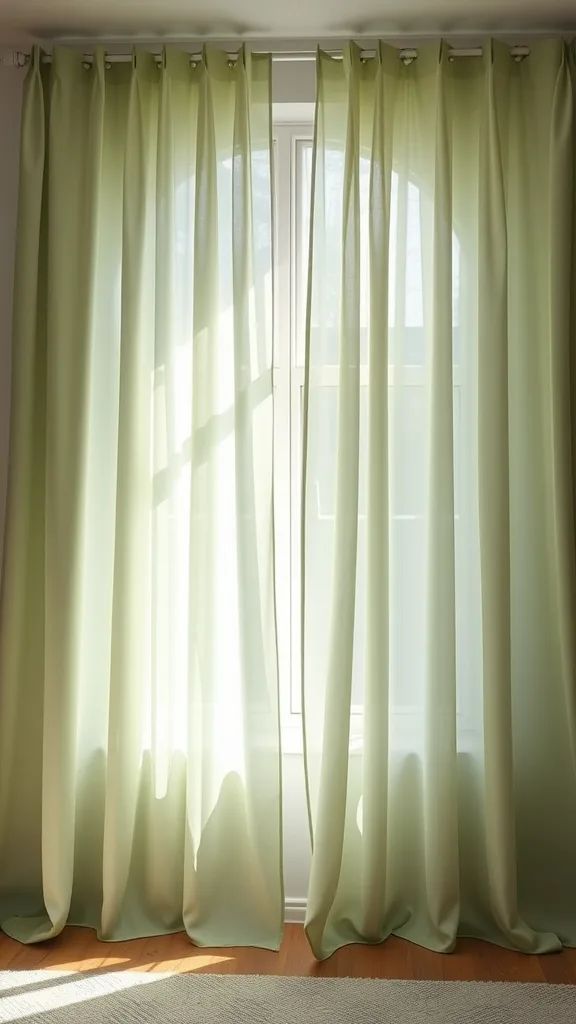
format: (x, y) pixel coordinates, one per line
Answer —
(438, 500)
(139, 737)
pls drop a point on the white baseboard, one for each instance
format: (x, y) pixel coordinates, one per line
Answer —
(294, 911)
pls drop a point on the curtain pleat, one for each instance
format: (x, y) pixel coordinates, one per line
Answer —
(438, 509)
(376, 749)
(140, 762)
(439, 765)
(334, 764)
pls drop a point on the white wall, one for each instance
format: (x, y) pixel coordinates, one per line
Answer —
(296, 840)
(11, 80)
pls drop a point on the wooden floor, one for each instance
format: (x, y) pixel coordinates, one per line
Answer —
(78, 949)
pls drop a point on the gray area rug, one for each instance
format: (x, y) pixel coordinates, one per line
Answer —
(56, 997)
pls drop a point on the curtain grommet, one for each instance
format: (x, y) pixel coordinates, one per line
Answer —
(107, 65)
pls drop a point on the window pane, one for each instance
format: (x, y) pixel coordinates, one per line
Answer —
(408, 532)
(406, 299)
(406, 448)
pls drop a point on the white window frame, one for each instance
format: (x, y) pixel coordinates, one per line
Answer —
(289, 134)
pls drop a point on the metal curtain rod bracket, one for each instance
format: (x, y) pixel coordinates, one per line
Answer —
(18, 58)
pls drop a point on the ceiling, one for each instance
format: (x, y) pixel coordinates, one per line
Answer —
(24, 20)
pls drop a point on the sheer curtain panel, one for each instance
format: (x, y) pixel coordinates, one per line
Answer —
(139, 748)
(439, 611)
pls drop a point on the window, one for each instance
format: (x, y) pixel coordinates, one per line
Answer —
(408, 405)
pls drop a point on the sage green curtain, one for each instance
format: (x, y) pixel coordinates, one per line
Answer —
(139, 748)
(439, 617)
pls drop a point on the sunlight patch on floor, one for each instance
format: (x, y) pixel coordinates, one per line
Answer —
(22, 991)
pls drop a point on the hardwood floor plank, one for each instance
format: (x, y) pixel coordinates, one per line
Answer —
(558, 968)
(426, 965)
(509, 965)
(71, 950)
(569, 956)
(9, 950)
(78, 949)
(295, 956)
(390, 959)
(466, 963)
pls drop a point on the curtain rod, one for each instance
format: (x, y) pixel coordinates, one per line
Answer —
(405, 54)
